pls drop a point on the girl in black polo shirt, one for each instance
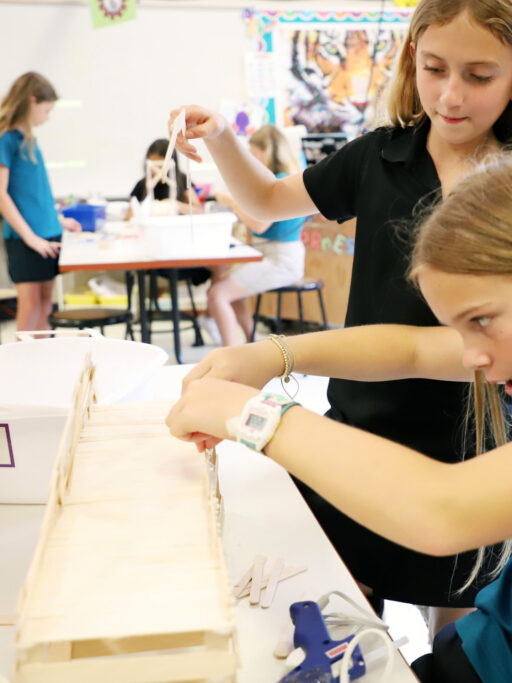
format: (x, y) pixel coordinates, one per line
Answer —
(449, 105)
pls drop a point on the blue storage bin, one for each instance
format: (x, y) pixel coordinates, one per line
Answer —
(90, 216)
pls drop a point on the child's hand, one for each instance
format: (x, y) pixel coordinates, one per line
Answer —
(201, 413)
(43, 247)
(70, 224)
(201, 123)
(252, 364)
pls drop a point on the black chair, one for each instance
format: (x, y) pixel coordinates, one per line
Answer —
(92, 317)
(306, 284)
(154, 312)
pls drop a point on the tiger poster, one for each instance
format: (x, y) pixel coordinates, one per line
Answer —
(331, 68)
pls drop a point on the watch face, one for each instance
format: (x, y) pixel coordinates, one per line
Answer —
(256, 421)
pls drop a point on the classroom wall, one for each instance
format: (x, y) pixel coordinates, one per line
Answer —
(128, 77)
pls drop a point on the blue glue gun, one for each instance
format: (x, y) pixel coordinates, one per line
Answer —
(312, 636)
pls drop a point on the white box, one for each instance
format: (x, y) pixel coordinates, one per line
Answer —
(37, 379)
(200, 235)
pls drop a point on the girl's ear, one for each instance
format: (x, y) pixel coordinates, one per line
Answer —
(412, 50)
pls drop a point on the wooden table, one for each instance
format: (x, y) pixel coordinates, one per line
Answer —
(121, 246)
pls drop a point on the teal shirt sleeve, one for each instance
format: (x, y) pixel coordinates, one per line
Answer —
(8, 148)
(486, 634)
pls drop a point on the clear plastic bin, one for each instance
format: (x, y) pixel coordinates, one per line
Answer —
(203, 234)
(37, 379)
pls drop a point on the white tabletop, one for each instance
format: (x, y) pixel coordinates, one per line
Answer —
(263, 514)
(124, 245)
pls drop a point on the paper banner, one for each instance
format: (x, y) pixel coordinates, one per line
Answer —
(109, 12)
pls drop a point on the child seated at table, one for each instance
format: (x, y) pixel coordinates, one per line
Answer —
(280, 242)
(186, 200)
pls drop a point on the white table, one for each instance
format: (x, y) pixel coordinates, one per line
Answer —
(124, 246)
(263, 514)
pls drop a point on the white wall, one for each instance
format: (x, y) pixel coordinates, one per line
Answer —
(128, 76)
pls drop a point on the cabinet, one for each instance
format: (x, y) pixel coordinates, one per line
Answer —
(329, 256)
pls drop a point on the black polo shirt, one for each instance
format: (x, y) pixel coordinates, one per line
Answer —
(385, 179)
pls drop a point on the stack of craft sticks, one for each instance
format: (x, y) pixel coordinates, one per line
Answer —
(261, 587)
(128, 582)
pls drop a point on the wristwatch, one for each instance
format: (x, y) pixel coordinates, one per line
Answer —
(259, 420)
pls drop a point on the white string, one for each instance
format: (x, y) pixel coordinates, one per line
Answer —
(347, 657)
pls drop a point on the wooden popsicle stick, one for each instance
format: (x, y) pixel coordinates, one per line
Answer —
(179, 125)
(243, 582)
(270, 590)
(257, 579)
(287, 573)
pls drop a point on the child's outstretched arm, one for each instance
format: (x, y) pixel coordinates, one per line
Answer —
(370, 353)
(396, 492)
(252, 185)
(11, 214)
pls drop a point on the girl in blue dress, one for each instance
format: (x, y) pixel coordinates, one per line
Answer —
(32, 226)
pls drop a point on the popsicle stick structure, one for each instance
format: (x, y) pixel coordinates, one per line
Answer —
(128, 582)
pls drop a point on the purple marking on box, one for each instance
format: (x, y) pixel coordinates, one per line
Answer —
(9, 446)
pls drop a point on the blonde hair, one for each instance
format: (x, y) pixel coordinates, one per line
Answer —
(278, 155)
(404, 106)
(15, 107)
(470, 233)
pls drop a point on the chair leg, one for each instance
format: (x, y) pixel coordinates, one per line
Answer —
(322, 307)
(173, 286)
(153, 292)
(301, 311)
(256, 317)
(279, 322)
(197, 330)
(129, 332)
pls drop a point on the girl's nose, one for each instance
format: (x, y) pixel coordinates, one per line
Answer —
(475, 359)
(453, 93)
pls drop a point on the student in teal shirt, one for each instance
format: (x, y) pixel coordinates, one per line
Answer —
(32, 227)
(279, 241)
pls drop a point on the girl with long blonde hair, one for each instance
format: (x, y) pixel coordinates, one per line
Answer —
(32, 227)
(462, 265)
(450, 104)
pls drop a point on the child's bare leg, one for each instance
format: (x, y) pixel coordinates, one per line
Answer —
(219, 272)
(220, 297)
(46, 304)
(29, 305)
(244, 317)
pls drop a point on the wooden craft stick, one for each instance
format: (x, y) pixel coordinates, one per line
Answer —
(257, 579)
(270, 590)
(243, 582)
(179, 125)
(287, 573)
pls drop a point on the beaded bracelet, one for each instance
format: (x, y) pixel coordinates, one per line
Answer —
(288, 360)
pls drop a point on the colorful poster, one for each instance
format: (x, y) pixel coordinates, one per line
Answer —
(110, 12)
(330, 67)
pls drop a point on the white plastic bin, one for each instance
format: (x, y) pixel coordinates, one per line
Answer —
(37, 379)
(203, 234)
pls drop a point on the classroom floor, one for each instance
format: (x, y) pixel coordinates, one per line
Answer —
(404, 619)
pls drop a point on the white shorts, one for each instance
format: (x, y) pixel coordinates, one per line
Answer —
(282, 265)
